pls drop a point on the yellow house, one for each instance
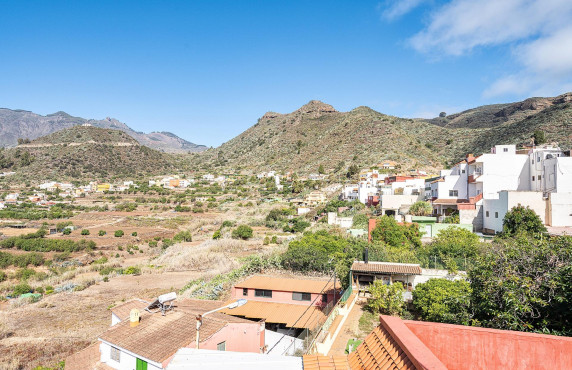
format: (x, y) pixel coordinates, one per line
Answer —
(103, 187)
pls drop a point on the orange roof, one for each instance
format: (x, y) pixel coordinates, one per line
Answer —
(316, 362)
(379, 350)
(287, 285)
(291, 315)
(387, 267)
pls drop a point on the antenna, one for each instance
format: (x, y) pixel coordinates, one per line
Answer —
(163, 303)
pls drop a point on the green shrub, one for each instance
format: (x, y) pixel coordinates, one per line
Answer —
(119, 233)
(167, 243)
(217, 235)
(242, 232)
(132, 270)
(183, 236)
(3, 276)
(152, 244)
(421, 208)
(85, 232)
(106, 279)
(102, 232)
(134, 233)
(24, 274)
(266, 240)
(227, 223)
(100, 261)
(66, 231)
(106, 270)
(386, 299)
(274, 240)
(21, 289)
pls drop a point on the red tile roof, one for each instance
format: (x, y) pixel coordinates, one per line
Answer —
(317, 362)
(387, 268)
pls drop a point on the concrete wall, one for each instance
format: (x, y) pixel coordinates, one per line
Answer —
(504, 172)
(427, 274)
(281, 297)
(473, 217)
(560, 209)
(398, 201)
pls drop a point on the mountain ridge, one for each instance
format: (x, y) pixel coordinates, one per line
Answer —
(22, 124)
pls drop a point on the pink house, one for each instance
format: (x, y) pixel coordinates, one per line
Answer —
(291, 291)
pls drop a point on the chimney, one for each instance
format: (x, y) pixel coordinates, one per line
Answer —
(366, 254)
(134, 318)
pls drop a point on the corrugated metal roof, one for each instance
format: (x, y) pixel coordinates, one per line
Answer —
(379, 351)
(387, 268)
(292, 315)
(287, 285)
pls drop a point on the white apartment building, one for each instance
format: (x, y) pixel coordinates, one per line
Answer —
(484, 188)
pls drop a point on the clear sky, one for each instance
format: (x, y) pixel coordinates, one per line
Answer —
(207, 70)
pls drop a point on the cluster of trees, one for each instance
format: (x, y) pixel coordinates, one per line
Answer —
(21, 260)
(37, 243)
(33, 213)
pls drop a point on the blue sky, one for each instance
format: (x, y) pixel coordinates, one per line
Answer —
(208, 70)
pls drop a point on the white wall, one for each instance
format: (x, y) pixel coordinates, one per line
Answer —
(398, 201)
(561, 209)
(127, 360)
(497, 208)
(504, 172)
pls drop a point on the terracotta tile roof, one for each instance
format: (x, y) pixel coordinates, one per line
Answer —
(316, 362)
(291, 315)
(387, 267)
(122, 311)
(379, 350)
(158, 337)
(287, 285)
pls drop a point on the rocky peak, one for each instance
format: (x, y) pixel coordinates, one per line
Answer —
(270, 115)
(316, 106)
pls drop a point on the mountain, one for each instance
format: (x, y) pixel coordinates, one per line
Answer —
(21, 124)
(317, 134)
(85, 153)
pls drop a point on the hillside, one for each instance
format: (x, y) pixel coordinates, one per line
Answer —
(20, 124)
(85, 153)
(317, 134)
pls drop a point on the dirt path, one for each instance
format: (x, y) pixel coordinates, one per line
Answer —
(349, 331)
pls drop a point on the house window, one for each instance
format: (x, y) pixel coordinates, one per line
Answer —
(538, 159)
(221, 346)
(539, 177)
(298, 296)
(245, 291)
(463, 171)
(505, 150)
(115, 354)
(496, 215)
(532, 161)
(487, 213)
(324, 298)
(532, 178)
(263, 293)
(453, 193)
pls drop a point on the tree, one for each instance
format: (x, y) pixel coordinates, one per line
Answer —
(452, 245)
(387, 230)
(183, 236)
(242, 232)
(539, 137)
(386, 299)
(313, 252)
(522, 219)
(352, 171)
(525, 284)
(321, 170)
(443, 300)
(442, 114)
(421, 208)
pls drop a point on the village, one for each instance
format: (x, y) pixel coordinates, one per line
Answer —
(154, 258)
